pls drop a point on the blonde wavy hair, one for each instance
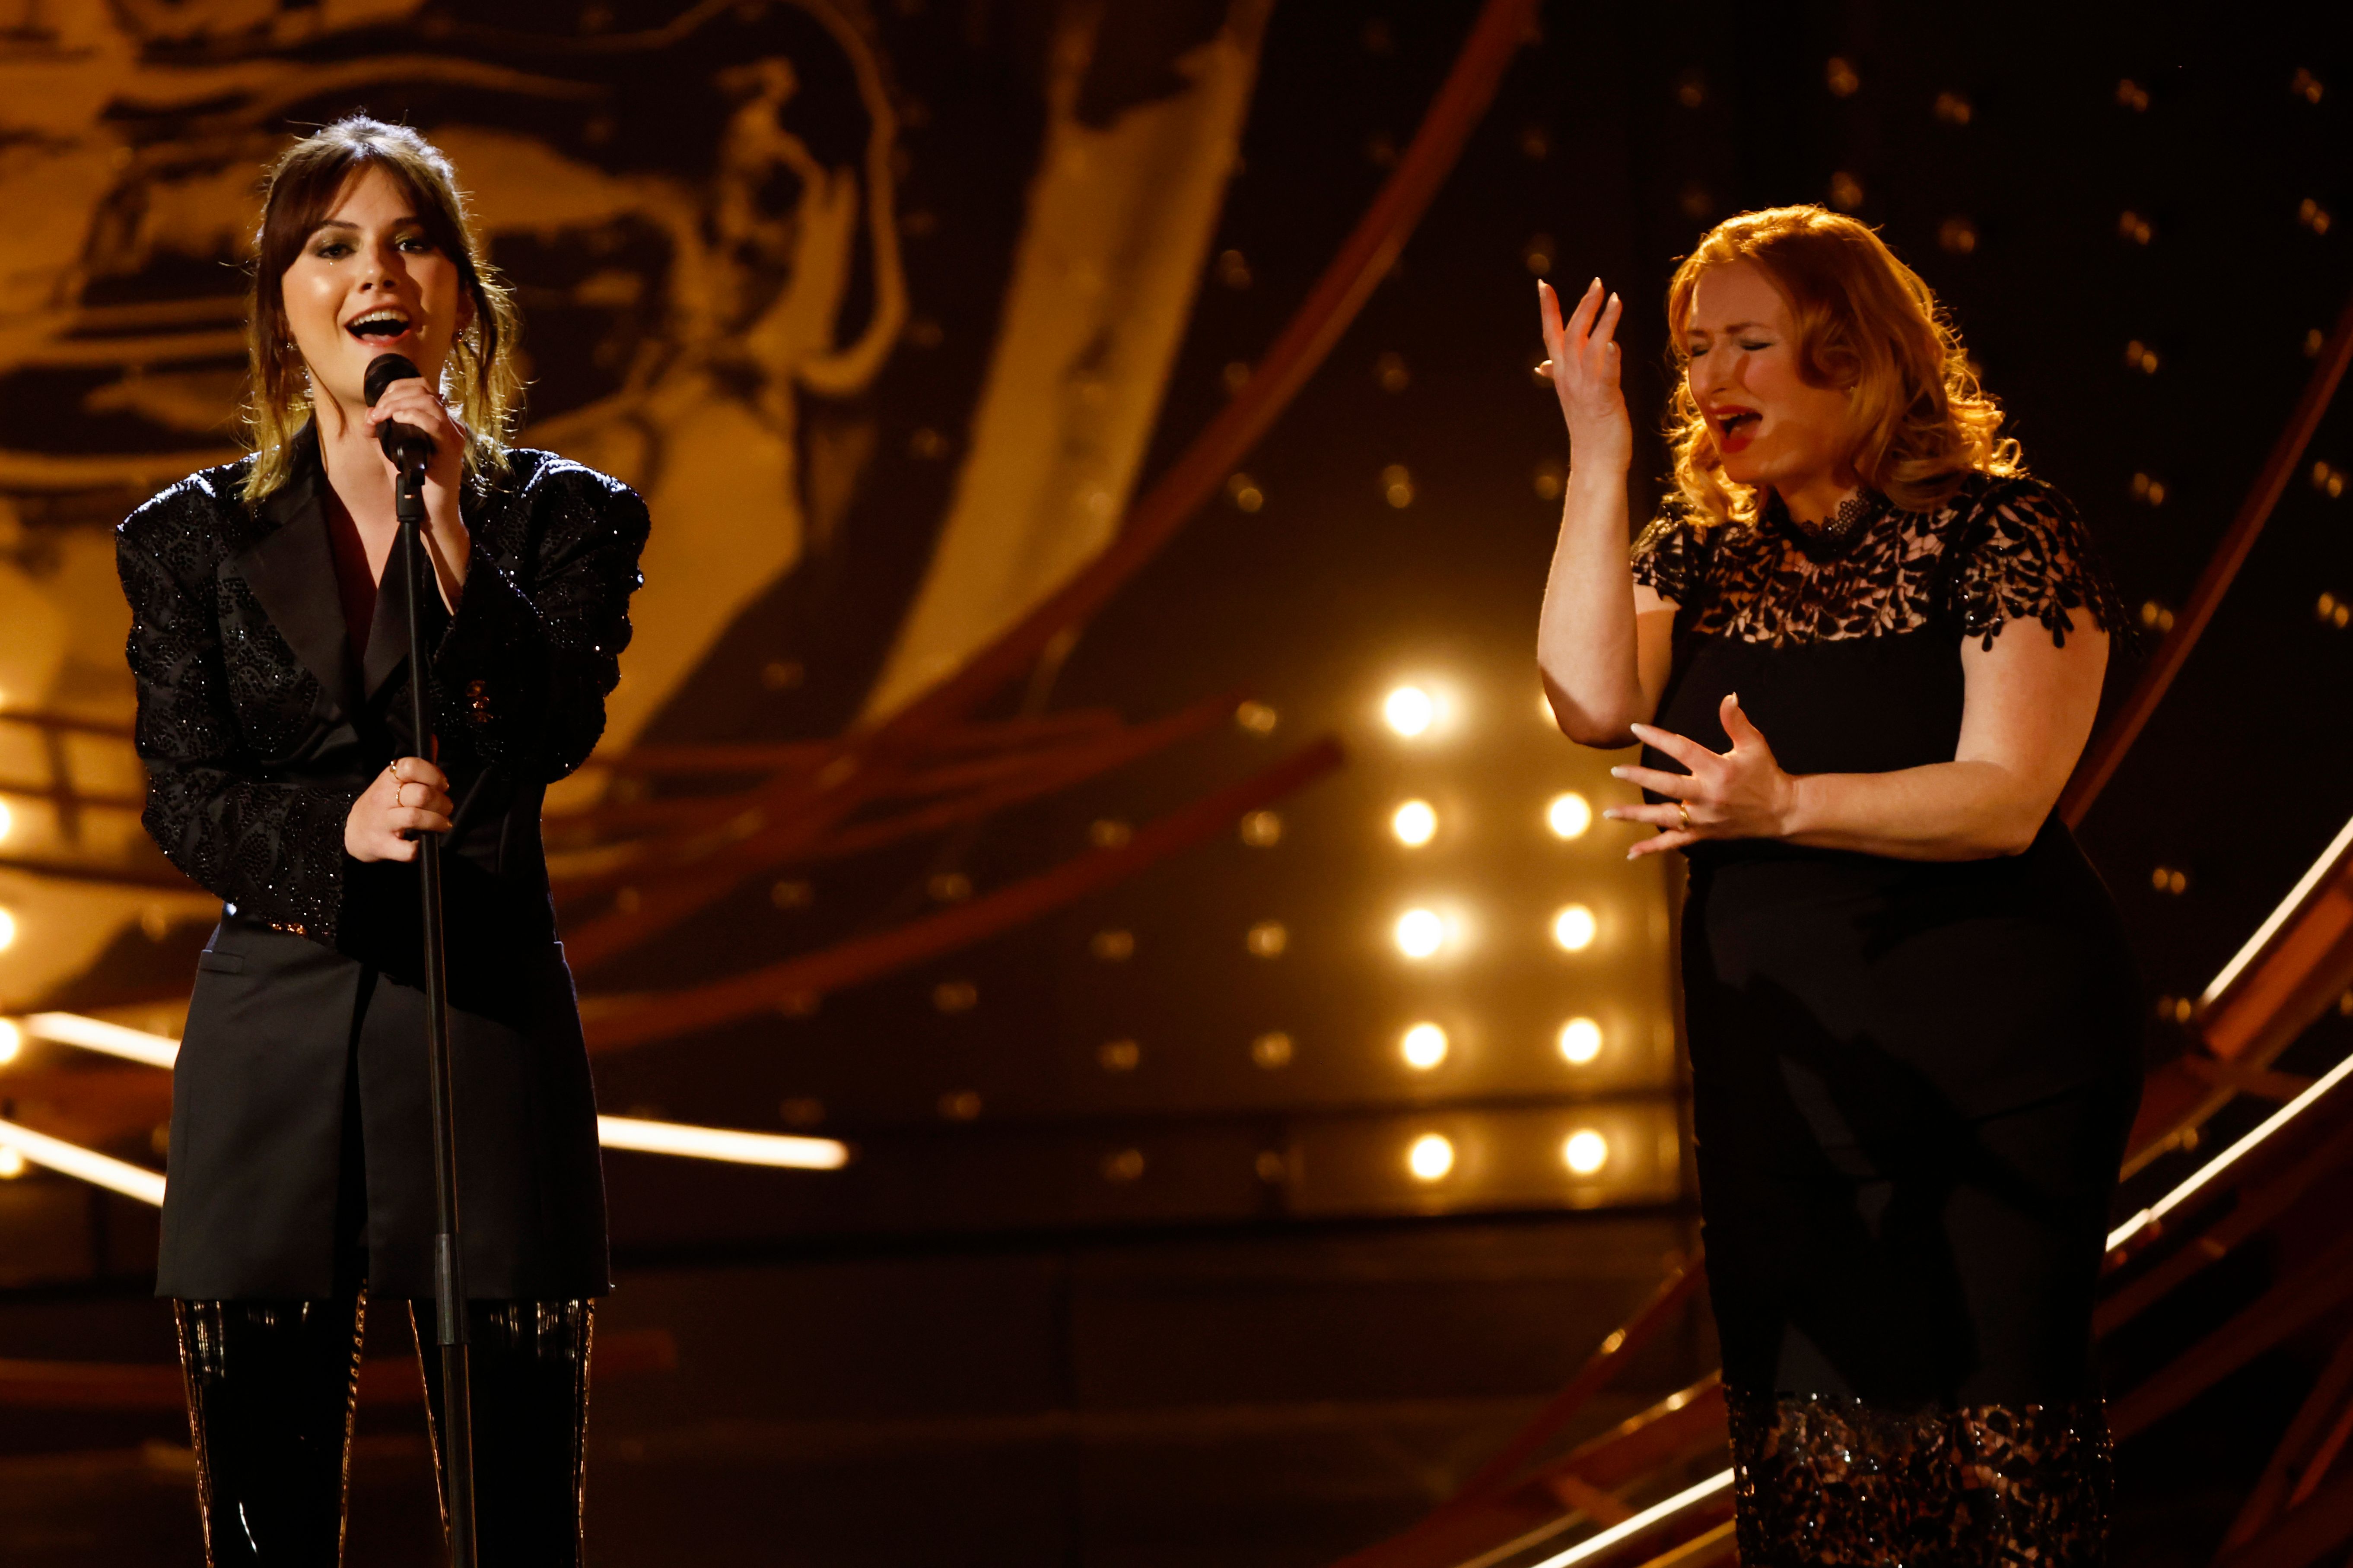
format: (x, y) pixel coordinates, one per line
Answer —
(1919, 421)
(481, 378)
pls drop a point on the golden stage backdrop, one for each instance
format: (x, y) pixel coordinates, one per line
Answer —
(874, 303)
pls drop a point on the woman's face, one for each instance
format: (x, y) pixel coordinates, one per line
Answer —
(370, 281)
(1768, 424)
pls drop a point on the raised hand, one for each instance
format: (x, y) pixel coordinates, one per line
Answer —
(409, 797)
(1583, 366)
(1738, 794)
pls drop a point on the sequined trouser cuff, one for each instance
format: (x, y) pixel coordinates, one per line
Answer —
(271, 1390)
(1821, 1480)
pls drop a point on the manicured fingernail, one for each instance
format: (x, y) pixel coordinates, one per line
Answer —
(1617, 773)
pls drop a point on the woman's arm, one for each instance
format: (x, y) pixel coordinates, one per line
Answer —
(530, 657)
(2027, 711)
(273, 851)
(1603, 642)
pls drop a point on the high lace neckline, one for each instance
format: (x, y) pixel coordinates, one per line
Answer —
(1834, 534)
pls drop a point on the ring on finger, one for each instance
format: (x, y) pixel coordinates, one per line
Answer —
(1683, 814)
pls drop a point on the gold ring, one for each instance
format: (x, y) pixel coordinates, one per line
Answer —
(1683, 814)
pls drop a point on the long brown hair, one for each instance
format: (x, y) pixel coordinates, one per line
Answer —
(1919, 422)
(480, 378)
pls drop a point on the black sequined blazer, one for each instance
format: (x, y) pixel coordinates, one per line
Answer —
(301, 1143)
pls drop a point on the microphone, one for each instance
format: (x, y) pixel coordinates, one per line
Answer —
(408, 448)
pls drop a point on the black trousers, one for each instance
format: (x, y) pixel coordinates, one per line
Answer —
(273, 1387)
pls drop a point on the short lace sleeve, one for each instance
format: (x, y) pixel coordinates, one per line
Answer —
(2029, 558)
(1666, 557)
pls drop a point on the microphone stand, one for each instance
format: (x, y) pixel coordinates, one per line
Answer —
(448, 1264)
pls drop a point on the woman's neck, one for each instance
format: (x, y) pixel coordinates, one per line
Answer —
(354, 470)
(1814, 498)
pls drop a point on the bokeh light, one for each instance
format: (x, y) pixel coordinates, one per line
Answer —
(8, 929)
(1580, 1040)
(1569, 814)
(1420, 933)
(1424, 1046)
(1586, 1151)
(1573, 928)
(1415, 822)
(12, 1040)
(1410, 711)
(1430, 1157)
(11, 1163)
(7, 820)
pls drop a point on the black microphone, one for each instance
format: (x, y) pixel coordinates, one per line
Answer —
(409, 449)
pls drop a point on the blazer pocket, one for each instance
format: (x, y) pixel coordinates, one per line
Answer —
(221, 962)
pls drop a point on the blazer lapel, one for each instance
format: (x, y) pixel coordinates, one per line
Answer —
(388, 645)
(291, 570)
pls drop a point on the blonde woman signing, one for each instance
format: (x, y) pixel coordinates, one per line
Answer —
(1861, 650)
(268, 641)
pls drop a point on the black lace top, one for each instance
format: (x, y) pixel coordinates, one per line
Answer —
(2000, 550)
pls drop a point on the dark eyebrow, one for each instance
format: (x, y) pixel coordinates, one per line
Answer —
(346, 223)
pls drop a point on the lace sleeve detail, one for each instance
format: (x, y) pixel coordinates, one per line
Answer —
(1666, 557)
(2029, 558)
(536, 646)
(270, 851)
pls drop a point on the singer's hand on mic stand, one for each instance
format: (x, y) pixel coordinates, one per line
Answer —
(412, 404)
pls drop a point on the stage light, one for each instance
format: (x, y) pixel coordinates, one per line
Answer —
(1580, 1040)
(1257, 718)
(1430, 1157)
(98, 1034)
(718, 1144)
(88, 1164)
(1574, 927)
(11, 1163)
(1415, 822)
(7, 930)
(1586, 1151)
(1594, 1546)
(1410, 710)
(1421, 932)
(12, 1040)
(1569, 814)
(1424, 1046)
(6, 821)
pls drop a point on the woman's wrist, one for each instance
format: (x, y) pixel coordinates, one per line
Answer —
(1799, 806)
